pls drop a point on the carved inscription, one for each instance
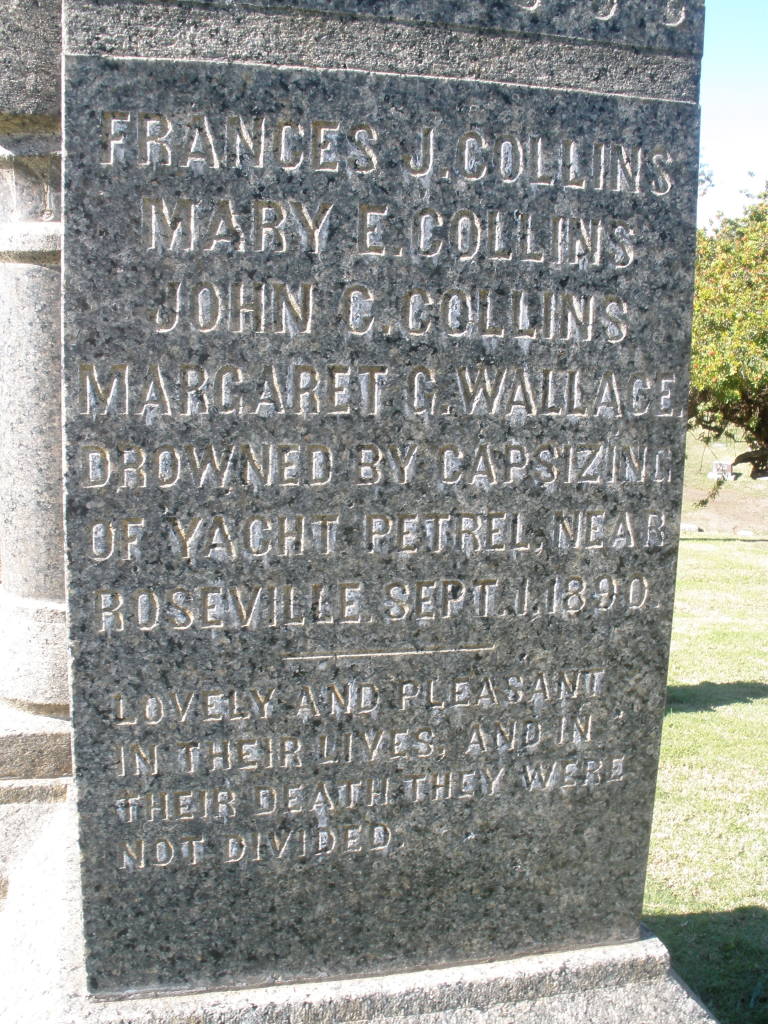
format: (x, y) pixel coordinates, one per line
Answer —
(501, 744)
(216, 251)
(373, 468)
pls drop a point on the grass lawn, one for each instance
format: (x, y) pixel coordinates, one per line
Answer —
(707, 889)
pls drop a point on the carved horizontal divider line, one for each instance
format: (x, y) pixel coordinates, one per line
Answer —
(401, 653)
(332, 42)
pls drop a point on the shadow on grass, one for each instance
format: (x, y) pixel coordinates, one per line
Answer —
(708, 696)
(723, 958)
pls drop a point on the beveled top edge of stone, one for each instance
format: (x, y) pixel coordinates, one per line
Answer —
(179, 32)
(667, 26)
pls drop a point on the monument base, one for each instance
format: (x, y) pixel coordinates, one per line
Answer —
(43, 971)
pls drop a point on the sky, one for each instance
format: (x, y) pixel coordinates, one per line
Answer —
(734, 104)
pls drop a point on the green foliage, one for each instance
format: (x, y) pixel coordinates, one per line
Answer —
(729, 370)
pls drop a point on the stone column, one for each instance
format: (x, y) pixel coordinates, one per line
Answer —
(33, 672)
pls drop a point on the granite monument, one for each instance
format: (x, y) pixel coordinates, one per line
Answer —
(375, 342)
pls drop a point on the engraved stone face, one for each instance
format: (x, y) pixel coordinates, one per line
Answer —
(375, 396)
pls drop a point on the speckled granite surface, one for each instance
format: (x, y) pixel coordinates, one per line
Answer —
(30, 58)
(665, 25)
(376, 392)
(43, 980)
